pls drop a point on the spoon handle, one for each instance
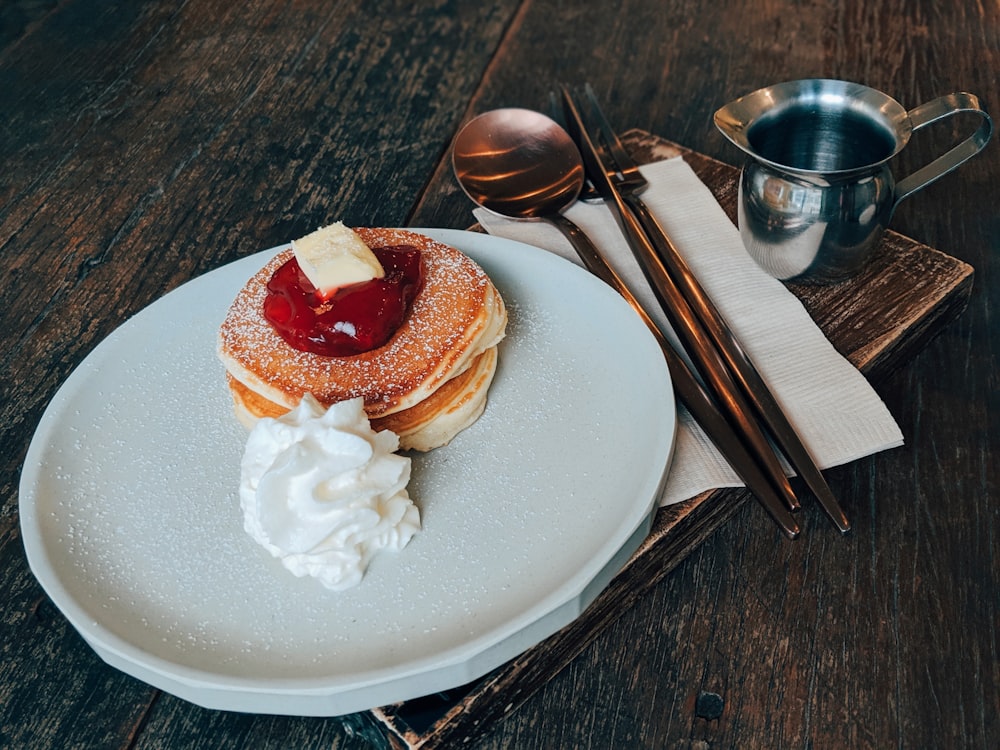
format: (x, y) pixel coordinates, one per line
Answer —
(689, 389)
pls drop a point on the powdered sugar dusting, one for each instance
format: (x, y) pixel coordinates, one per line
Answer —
(441, 330)
(134, 483)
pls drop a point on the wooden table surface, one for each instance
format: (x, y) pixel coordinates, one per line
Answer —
(146, 143)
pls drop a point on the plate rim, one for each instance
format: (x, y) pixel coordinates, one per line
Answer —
(110, 644)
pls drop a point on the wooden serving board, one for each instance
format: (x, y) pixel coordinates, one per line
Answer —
(878, 320)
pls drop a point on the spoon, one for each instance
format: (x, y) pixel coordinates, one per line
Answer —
(521, 164)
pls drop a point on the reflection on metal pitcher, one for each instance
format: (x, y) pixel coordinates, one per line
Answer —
(816, 191)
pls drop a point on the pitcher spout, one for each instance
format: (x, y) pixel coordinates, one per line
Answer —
(733, 121)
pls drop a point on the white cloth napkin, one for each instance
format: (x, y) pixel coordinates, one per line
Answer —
(831, 405)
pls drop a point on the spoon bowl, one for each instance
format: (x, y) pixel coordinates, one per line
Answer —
(518, 163)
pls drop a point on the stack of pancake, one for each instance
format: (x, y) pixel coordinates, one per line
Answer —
(426, 384)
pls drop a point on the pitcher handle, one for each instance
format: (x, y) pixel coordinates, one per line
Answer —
(932, 111)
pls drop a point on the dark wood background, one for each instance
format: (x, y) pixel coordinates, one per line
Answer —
(144, 143)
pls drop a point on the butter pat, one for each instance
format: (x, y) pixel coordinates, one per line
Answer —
(335, 256)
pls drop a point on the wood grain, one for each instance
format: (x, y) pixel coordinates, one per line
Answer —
(875, 319)
(144, 143)
(829, 643)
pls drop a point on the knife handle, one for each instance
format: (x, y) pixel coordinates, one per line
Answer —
(702, 350)
(689, 391)
(739, 363)
(693, 338)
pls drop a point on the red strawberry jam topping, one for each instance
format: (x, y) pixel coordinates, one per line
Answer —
(357, 318)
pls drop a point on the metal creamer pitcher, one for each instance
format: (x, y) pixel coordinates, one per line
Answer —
(816, 191)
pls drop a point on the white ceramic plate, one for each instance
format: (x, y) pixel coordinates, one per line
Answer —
(131, 520)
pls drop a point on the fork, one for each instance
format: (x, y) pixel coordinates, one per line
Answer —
(630, 184)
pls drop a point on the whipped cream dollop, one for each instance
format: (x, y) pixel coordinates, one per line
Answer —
(323, 492)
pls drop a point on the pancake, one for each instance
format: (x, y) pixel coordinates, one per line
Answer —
(427, 383)
(428, 425)
(446, 412)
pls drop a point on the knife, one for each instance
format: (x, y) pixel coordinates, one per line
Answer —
(692, 394)
(694, 338)
(739, 362)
